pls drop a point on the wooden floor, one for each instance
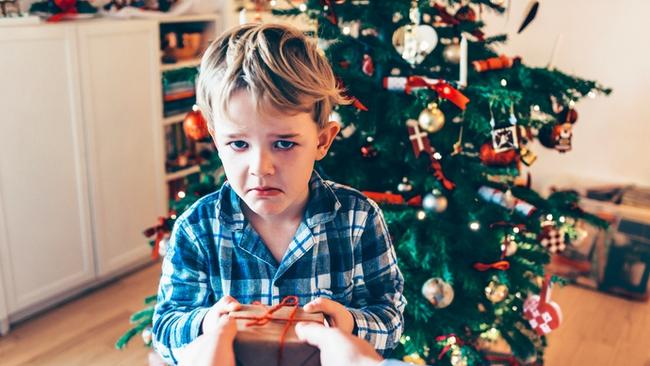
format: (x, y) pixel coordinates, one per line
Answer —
(598, 329)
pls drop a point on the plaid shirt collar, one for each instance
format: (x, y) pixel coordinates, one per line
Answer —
(322, 205)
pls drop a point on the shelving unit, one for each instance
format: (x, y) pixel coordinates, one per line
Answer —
(177, 174)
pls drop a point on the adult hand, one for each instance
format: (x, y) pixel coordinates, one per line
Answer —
(338, 347)
(225, 305)
(337, 315)
(214, 348)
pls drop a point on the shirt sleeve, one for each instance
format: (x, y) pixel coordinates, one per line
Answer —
(378, 303)
(183, 293)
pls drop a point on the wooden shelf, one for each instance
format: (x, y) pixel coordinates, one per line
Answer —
(195, 62)
(183, 173)
(189, 18)
(174, 119)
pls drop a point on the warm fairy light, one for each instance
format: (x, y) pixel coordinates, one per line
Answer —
(273, 3)
(515, 230)
(536, 108)
(591, 94)
(173, 217)
(562, 219)
(303, 7)
(549, 217)
(437, 156)
(326, 8)
(572, 104)
(421, 215)
(514, 308)
(504, 82)
(346, 30)
(474, 225)
(181, 194)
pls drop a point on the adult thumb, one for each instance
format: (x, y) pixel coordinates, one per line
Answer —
(314, 334)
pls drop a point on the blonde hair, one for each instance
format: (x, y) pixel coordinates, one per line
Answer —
(276, 63)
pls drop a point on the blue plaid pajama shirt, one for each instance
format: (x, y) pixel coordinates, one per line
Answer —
(341, 250)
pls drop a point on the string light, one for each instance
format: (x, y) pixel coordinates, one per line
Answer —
(572, 104)
(504, 82)
(562, 219)
(536, 108)
(515, 230)
(173, 217)
(346, 30)
(591, 94)
(421, 215)
(303, 7)
(437, 156)
(273, 3)
(181, 194)
(474, 225)
(549, 217)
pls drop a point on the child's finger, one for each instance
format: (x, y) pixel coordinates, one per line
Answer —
(316, 335)
(321, 305)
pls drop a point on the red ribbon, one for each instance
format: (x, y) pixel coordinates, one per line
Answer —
(263, 319)
(437, 168)
(331, 15)
(160, 231)
(448, 345)
(500, 265)
(444, 90)
(66, 6)
(392, 198)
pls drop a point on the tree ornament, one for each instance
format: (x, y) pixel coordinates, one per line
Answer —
(194, 125)
(348, 130)
(556, 137)
(568, 115)
(552, 237)
(504, 138)
(146, 336)
(509, 246)
(496, 291)
(434, 202)
(491, 158)
(451, 53)
(405, 186)
(368, 150)
(542, 314)
(496, 196)
(456, 357)
(368, 67)
(495, 63)
(431, 119)
(527, 156)
(415, 41)
(419, 139)
(414, 359)
(439, 293)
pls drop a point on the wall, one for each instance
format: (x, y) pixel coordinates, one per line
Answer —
(605, 41)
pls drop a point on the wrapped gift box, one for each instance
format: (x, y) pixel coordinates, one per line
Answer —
(259, 342)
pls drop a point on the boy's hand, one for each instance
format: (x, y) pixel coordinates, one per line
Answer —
(225, 305)
(336, 314)
(212, 349)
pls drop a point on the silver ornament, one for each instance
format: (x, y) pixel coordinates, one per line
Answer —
(439, 293)
(434, 202)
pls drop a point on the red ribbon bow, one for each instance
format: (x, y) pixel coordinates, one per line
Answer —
(457, 341)
(444, 90)
(500, 265)
(66, 6)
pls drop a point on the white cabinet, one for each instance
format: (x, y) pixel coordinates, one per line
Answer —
(45, 231)
(121, 103)
(81, 161)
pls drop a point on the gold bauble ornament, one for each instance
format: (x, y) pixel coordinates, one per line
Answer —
(431, 119)
(451, 53)
(496, 292)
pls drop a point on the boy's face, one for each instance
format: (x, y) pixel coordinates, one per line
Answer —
(268, 156)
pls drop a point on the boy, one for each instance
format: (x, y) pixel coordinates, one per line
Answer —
(275, 228)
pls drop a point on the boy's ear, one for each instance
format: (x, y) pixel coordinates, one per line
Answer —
(326, 136)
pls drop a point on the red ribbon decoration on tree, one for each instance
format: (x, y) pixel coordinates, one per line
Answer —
(392, 198)
(444, 90)
(447, 347)
(331, 15)
(160, 231)
(437, 168)
(267, 317)
(500, 265)
(66, 6)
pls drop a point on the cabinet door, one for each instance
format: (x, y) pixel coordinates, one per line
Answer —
(45, 232)
(123, 114)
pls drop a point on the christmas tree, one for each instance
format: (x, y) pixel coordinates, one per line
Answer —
(439, 132)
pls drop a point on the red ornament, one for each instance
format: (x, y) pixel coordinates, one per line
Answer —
(542, 314)
(195, 126)
(557, 137)
(368, 67)
(490, 157)
(419, 139)
(552, 238)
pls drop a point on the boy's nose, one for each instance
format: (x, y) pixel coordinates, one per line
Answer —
(263, 164)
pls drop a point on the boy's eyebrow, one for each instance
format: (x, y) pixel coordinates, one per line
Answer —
(234, 135)
(286, 135)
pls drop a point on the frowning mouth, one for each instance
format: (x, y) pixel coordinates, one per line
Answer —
(265, 191)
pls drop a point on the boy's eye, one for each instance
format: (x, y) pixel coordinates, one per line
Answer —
(284, 144)
(238, 145)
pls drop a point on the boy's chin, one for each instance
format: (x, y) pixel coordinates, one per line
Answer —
(266, 208)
